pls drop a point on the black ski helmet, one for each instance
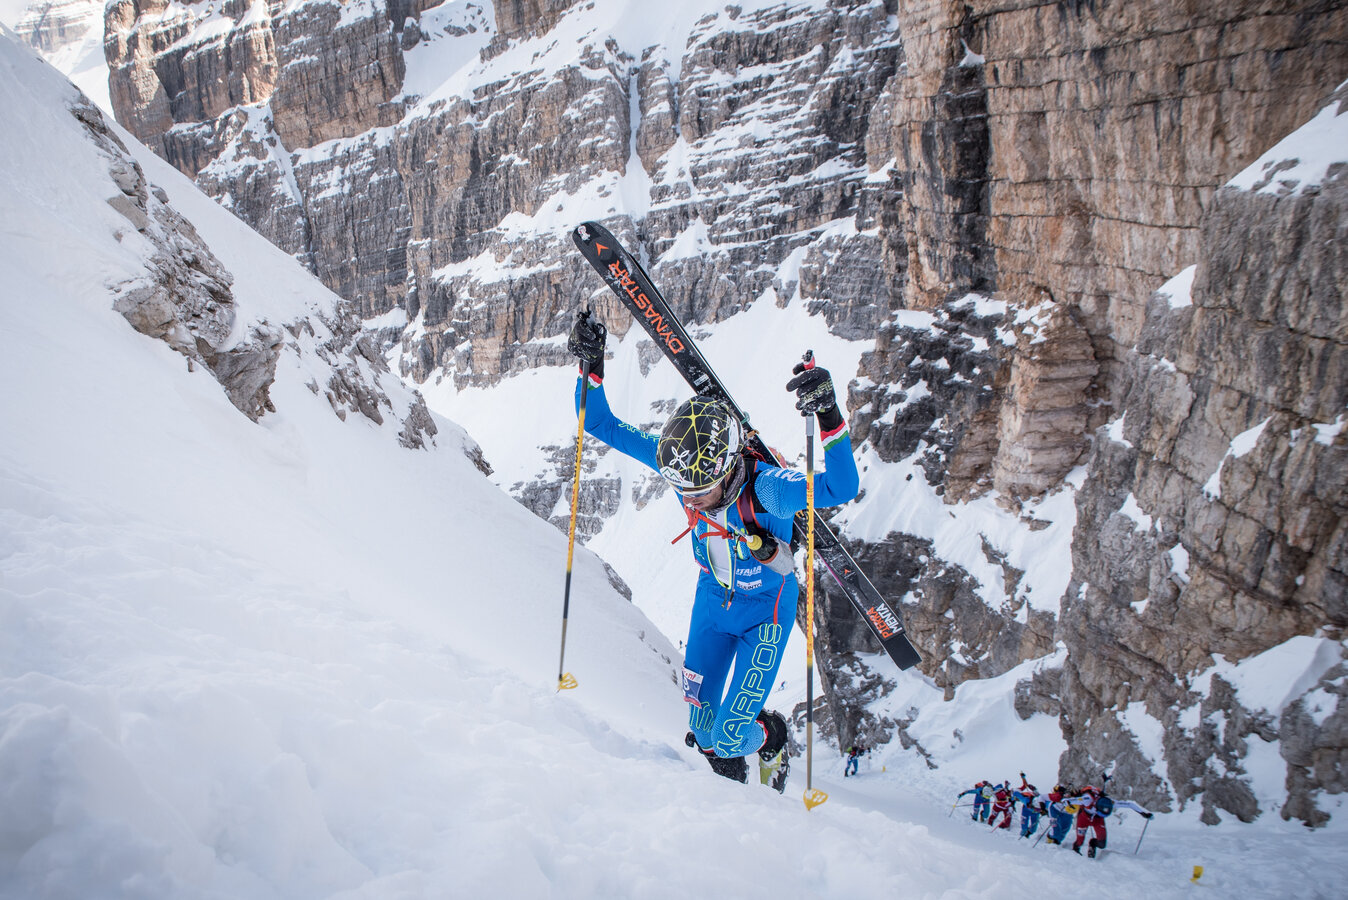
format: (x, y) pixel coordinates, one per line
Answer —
(699, 445)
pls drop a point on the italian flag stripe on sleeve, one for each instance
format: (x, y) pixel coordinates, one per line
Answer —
(829, 438)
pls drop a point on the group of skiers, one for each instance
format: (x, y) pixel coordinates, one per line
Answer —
(1089, 806)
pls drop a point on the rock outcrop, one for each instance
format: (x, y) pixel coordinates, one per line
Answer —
(184, 298)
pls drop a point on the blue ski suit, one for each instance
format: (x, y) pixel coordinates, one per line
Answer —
(1029, 811)
(743, 609)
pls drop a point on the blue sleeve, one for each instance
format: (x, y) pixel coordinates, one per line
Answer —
(782, 491)
(603, 424)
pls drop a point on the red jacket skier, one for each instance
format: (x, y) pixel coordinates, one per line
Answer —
(1095, 807)
(1001, 806)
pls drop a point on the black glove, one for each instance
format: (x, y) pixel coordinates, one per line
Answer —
(814, 392)
(587, 342)
(1148, 815)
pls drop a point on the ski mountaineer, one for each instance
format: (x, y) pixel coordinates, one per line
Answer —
(854, 754)
(740, 513)
(982, 799)
(1061, 813)
(1095, 806)
(1002, 805)
(1030, 806)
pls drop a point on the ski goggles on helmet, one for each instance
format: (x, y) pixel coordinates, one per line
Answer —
(689, 494)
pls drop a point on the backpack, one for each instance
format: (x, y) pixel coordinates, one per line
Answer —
(1103, 805)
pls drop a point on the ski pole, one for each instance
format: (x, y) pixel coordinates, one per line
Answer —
(812, 797)
(565, 680)
(1145, 823)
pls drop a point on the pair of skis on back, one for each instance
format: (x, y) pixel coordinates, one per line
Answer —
(648, 306)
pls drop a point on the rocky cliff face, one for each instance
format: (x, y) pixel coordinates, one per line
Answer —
(1215, 504)
(990, 192)
(1069, 151)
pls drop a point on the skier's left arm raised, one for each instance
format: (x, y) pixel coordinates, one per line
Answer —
(782, 491)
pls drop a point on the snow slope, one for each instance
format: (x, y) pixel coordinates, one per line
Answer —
(82, 58)
(292, 659)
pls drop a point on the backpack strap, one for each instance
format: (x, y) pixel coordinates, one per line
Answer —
(749, 506)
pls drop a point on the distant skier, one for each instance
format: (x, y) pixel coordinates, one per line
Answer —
(1094, 807)
(741, 513)
(982, 800)
(1001, 806)
(854, 754)
(1059, 813)
(1031, 807)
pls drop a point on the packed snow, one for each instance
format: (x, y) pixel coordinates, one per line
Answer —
(81, 60)
(1241, 445)
(293, 659)
(1178, 291)
(1305, 159)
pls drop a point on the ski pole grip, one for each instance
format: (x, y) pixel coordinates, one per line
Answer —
(808, 359)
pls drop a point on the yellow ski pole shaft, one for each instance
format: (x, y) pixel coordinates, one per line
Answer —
(812, 797)
(564, 679)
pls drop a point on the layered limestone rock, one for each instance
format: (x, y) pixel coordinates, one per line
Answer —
(48, 27)
(1075, 146)
(1069, 150)
(338, 68)
(184, 298)
(1044, 413)
(166, 69)
(177, 71)
(1213, 522)
(770, 103)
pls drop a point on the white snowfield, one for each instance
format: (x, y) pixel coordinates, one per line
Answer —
(292, 659)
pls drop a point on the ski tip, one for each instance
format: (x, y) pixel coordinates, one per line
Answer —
(590, 237)
(567, 682)
(814, 798)
(582, 235)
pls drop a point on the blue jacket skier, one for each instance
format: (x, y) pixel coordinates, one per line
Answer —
(740, 513)
(1062, 813)
(1031, 807)
(854, 754)
(982, 800)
